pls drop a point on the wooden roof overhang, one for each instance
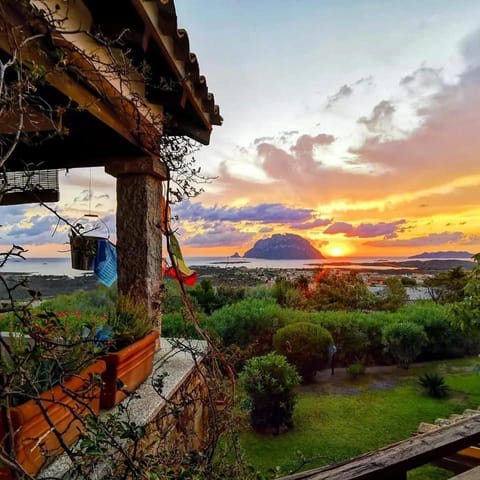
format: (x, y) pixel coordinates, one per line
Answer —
(100, 104)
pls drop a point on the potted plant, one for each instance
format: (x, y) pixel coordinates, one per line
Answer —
(133, 347)
(54, 383)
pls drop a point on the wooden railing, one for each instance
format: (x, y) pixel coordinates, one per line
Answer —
(394, 461)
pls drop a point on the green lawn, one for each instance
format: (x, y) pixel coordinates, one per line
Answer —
(335, 422)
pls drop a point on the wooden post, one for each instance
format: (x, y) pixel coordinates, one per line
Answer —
(139, 234)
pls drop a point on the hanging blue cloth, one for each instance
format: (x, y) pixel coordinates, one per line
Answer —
(105, 262)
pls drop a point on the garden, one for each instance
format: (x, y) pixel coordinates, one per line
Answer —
(338, 417)
(317, 385)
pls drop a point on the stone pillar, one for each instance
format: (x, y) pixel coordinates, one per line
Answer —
(139, 234)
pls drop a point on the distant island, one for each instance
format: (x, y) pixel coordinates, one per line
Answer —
(444, 254)
(284, 247)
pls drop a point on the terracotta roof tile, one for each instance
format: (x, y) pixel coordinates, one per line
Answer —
(167, 24)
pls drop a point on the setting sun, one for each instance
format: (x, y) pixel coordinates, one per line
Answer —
(336, 251)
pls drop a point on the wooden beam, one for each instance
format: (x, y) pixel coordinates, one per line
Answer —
(139, 166)
(396, 459)
(33, 121)
(104, 95)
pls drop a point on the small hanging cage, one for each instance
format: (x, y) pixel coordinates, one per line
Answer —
(85, 236)
(29, 186)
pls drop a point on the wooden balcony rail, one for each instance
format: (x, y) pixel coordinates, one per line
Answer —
(394, 461)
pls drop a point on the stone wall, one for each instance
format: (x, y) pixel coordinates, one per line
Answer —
(175, 421)
(182, 424)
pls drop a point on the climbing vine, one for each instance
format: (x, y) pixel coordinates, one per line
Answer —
(43, 350)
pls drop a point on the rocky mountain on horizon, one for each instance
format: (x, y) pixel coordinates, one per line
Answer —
(287, 246)
(444, 254)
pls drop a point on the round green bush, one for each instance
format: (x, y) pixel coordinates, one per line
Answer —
(404, 341)
(269, 382)
(247, 322)
(305, 345)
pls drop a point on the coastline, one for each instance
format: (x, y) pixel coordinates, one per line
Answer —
(233, 274)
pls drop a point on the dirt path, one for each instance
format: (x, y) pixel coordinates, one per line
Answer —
(380, 377)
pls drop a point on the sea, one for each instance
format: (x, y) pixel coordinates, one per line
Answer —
(62, 266)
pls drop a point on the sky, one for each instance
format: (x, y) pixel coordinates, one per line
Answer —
(354, 123)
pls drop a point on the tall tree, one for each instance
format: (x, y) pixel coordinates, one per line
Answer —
(467, 313)
(447, 287)
(335, 291)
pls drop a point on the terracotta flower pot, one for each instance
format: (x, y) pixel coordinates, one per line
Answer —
(130, 366)
(34, 439)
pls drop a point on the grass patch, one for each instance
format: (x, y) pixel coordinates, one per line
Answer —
(429, 472)
(330, 427)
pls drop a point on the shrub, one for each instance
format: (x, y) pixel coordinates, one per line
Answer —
(340, 292)
(247, 322)
(408, 281)
(205, 296)
(287, 294)
(261, 292)
(404, 341)
(355, 370)
(226, 295)
(357, 335)
(393, 295)
(175, 325)
(269, 382)
(172, 300)
(97, 301)
(434, 385)
(305, 345)
(444, 340)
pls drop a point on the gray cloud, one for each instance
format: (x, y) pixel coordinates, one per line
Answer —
(13, 213)
(380, 119)
(39, 231)
(368, 81)
(263, 213)
(221, 235)
(471, 49)
(422, 78)
(306, 143)
(84, 196)
(424, 241)
(344, 92)
(319, 222)
(365, 230)
(263, 139)
(289, 133)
